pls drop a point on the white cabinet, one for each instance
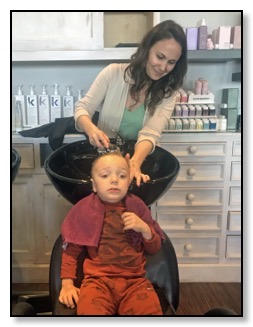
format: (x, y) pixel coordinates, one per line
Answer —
(47, 31)
(201, 211)
(57, 36)
(22, 221)
(37, 213)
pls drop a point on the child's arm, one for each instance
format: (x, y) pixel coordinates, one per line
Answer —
(69, 293)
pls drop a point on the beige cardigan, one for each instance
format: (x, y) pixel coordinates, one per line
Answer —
(108, 95)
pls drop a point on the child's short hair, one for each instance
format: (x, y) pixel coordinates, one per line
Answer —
(116, 153)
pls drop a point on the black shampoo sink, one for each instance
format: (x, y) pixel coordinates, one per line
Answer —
(69, 169)
(16, 159)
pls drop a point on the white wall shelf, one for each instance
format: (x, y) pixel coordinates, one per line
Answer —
(119, 54)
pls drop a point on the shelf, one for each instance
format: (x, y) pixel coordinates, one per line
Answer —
(119, 54)
(213, 55)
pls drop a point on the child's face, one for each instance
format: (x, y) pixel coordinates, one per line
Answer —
(111, 178)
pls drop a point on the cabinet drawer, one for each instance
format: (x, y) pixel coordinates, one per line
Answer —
(236, 149)
(196, 248)
(188, 197)
(235, 171)
(235, 196)
(26, 152)
(196, 149)
(201, 172)
(233, 249)
(234, 221)
(186, 222)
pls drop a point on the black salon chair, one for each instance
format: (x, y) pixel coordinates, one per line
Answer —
(161, 270)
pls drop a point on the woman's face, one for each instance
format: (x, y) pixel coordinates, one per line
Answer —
(163, 56)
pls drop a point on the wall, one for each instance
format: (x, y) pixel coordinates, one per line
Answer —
(81, 74)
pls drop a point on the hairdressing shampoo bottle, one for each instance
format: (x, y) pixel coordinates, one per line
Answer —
(55, 104)
(32, 108)
(44, 113)
(21, 98)
(68, 104)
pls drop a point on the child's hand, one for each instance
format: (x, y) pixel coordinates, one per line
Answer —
(69, 294)
(132, 221)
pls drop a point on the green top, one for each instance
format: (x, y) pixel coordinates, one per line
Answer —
(132, 122)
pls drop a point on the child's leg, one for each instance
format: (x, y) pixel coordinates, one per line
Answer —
(95, 298)
(141, 299)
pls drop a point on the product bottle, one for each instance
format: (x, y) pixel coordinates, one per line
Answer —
(18, 116)
(198, 86)
(68, 104)
(44, 113)
(32, 108)
(222, 123)
(202, 35)
(204, 87)
(20, 97)
(55, 101)
(79, 95)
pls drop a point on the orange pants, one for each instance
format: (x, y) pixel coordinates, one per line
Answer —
(118, 296)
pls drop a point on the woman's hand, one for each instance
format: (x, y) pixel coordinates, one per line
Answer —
(96, 137)
(132, 221)
(99, 139)
(69, 293)
(135, 171)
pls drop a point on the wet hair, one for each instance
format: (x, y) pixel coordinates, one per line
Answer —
(115, 153)
(164, 87)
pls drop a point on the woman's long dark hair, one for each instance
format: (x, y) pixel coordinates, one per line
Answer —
(164, 87)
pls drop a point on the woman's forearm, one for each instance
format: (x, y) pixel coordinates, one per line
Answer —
(85, 124)
(142, 150)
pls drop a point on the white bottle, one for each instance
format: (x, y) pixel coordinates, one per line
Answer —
(20, 97)
(222, 123)
(32, 108)
(68, 104)
(18, 116)
(55, 105)
(79, 97)
(44, 112)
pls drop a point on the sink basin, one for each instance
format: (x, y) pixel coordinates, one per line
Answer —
(69, 168)
(16, 159)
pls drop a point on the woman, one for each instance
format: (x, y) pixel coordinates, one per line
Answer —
(136, 100)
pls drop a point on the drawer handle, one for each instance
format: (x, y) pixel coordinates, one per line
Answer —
(193, 149)
(189, 221)
(191, 172)
(190, 197)
(188, 247)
